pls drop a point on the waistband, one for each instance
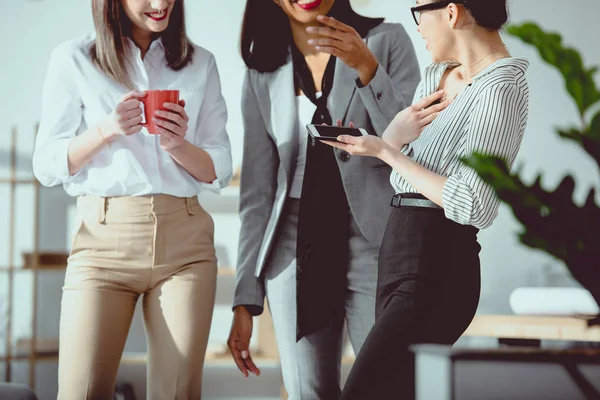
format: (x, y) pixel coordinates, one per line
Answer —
(159, 204)
(412, 200)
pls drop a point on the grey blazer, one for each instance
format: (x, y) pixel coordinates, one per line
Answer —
(271, 148)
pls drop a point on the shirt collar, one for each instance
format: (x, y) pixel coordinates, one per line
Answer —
(515, 62)
(156, 44)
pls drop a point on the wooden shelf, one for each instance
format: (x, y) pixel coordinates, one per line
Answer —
(533, 327)
(38, 269)
(18, 181)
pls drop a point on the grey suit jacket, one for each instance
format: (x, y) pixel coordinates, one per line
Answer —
(271, 148)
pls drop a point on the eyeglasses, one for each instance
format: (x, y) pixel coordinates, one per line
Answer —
(436, 5)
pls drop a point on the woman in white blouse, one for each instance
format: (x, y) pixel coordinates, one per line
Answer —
(429, 277)
(140, 229)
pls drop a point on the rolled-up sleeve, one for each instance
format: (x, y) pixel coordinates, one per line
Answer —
(61, 118)
(495, 129)
(211, 133)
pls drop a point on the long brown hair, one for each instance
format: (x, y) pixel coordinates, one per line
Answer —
(113, 27)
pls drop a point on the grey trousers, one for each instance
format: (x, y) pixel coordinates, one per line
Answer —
(311, 366)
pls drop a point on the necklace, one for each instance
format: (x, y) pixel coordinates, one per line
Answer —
(480, 60)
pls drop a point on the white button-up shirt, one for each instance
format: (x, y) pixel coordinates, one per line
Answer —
(77, 95)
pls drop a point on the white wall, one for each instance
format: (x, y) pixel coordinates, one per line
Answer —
(32, 28)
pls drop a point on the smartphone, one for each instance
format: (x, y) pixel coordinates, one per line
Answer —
(328, 132)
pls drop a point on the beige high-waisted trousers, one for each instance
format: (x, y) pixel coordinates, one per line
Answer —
(160, 247)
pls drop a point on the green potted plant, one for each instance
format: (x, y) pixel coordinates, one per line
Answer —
(551, 220)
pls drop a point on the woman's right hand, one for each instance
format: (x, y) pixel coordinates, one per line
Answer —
(410, 122)
(239, 341)
(126, 118)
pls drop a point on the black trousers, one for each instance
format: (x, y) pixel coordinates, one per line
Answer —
(427, 292)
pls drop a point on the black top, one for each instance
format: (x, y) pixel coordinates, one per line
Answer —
(323, 221)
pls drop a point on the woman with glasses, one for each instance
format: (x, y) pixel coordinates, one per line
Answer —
(429, 275)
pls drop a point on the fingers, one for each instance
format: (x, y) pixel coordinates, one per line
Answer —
(327, 33)
(130, 114)
(170, 116)
(426, 101)
(167, 125)
(166, 133)
(182, 103)
(133, 129)
(331, 50)
(127, 105)
(335, 24)
(239, 362)
(243, 348)
(435, 109)
(177, 109)
(237, 356)
(336, 44)
(338, 122)
(135, 121)
(337, 145)
(132, 95)
(251, 366)
(347, 139)
(429, 119)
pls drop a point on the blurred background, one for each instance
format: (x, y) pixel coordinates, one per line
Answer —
(32, 28)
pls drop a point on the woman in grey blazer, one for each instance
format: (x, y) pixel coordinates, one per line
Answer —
(312, 217)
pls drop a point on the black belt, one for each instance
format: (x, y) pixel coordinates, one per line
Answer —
(412, 200)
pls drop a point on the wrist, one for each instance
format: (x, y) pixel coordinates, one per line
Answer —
(388, 153)
(241, 310)
(366, 72)
(107, 134)
(177, 149)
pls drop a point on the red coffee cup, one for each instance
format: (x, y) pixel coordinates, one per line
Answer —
(153, 101)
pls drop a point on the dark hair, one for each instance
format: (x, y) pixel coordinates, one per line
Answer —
(489, 14)
(266, 33)
(112, 28)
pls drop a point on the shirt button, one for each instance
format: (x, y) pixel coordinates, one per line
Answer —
(379, 95)
(344, 156)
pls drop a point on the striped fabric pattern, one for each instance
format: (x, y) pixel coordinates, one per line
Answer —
(488, 117)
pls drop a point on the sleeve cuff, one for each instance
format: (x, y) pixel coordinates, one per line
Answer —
(223, 170)
(254, 303)
(457, 200)
(380, 92)
(51, 163)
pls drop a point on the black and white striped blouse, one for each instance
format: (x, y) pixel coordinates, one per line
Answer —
(489, 117)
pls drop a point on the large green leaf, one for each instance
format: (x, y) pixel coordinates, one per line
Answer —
(552, 221)
(589, 140)
(579, 81)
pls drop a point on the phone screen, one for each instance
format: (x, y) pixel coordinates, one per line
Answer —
(332, 132)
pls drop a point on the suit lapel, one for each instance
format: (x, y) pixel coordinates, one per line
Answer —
(284, 113)
(342, 91)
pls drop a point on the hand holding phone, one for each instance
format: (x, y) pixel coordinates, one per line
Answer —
(330, 133)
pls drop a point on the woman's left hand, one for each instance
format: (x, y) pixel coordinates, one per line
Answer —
(370, 145)
(172, 125)
(342, 41)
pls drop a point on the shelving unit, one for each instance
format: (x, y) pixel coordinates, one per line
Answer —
(13, 181)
